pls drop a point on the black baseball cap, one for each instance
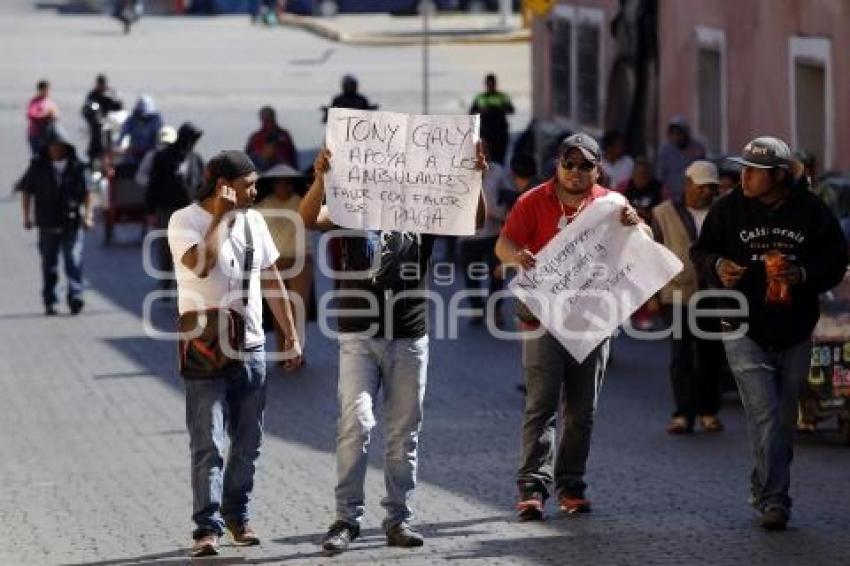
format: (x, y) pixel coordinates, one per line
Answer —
(584, 143)
(765, 152)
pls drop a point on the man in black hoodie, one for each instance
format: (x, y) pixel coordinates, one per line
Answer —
(177, 174)
(56, 183)
(773, 241)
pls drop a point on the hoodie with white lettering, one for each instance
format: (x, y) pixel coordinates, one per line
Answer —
(803, 230)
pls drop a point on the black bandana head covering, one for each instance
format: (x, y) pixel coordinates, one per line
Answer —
(228, 164)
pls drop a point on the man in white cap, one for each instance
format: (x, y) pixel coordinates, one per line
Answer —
(694, 371)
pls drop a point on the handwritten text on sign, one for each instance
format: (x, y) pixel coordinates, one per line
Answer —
(402, 172)
(593, 275)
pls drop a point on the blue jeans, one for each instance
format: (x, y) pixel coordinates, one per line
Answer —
(70, 243)
(399, 367)
(770, 385)
(235, 403)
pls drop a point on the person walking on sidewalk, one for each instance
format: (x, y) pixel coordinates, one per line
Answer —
(494, 106)
(674, 156)
(219, 244)
(56, 183)
(695, 362)
(42, 114)
(350, 98)
(177, 175)
(555, 382)
(272, 144)
(776, 244)
(100, 101)
(383, 347)
(477, 252)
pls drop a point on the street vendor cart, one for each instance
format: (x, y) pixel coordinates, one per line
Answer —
(827, 391)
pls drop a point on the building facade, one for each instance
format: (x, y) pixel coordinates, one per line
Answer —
(734, 68)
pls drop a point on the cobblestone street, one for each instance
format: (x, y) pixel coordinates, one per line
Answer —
(95, 462)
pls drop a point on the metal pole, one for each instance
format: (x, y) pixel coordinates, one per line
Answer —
(425, 48)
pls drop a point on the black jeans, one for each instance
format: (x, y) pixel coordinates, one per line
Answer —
(557, 384)
(696, 366)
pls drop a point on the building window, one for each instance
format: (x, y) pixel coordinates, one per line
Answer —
(810, 75)
(589, 68)
(561, 55)
(577, 65)
(711, 89)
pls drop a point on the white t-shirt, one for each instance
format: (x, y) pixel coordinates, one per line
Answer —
(620, 171)
(222, 287)
(699, 215)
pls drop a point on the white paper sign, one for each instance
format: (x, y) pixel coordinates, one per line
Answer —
(404, 172)
(593, 275)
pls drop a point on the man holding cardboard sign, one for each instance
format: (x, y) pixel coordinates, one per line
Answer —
(382, 308)
(553, 375)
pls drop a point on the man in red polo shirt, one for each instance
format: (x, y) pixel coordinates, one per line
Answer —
(552, 375)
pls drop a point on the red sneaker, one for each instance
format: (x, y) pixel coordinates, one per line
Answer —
(572, 505)
(530, 507)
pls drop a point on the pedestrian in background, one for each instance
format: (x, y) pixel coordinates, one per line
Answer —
(56, 184)
(778, 245)
(350, 97)
(139, 134)
(729, 179)
(42, 114)
(272, 144)
(277, 193)
(524, 176)
(643, 190)
(219, 244)
(556, 383)
(674, 156)
(616, 165)
(100, 101)
(493, 106)
(695, 362)
(177, 175)
(478, 252)
(167, 135)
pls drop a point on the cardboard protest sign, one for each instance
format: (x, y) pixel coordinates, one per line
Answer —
(402, 172)
(593, 275)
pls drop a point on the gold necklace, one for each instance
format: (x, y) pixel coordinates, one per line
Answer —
(567, 218)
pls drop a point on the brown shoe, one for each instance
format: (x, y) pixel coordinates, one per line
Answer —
(243, 535)
(680, 425)
(206, 545)
(710, 423)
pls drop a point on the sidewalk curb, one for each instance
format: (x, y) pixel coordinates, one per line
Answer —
(331, 32)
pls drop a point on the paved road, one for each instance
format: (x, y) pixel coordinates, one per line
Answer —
(94, 466)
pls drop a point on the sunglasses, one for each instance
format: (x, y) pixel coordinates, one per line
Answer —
(584, 166)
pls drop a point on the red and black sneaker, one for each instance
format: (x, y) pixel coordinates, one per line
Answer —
(572, 505)
(530, 507)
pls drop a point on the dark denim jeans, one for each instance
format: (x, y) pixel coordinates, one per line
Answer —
(770, 383)
(70, 244)
(556, 383)
(233, 403)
